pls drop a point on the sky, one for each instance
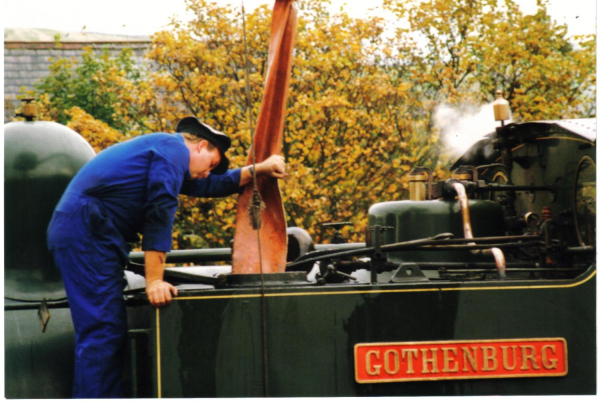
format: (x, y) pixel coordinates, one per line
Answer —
(145, 17)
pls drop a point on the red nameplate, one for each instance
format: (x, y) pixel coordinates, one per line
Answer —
(465, 359)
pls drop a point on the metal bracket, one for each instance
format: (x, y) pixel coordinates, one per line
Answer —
(379, 258)
(44, 314)
(408, 272)
(532, 192)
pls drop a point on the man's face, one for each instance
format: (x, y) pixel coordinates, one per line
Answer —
(203, 160)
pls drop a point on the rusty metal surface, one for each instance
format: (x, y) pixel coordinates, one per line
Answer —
(268, 140)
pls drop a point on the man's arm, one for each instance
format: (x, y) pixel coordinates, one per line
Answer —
(233, 180)
(158, 290)
(213, 186)
(273, 166)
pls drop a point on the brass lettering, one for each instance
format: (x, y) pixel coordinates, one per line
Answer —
(552, 363)
(472, 358)
(410, 353)
(432, 361)
(505, 357)
(386, 362)
(528, 353)
(449, 360)
(373, 369)
(489, 356)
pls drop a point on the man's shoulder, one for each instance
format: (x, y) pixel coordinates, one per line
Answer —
(169, 146)
(161, 142)
(159, 137)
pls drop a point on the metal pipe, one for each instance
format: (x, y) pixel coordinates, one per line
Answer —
(496, 187)
(189, 255)
(496, 165)
(340, 246)
(23, 305)
(455, 267)
(581, 249)
(500, 262)
(474, 247)
(413, 245)
(468, 230)
(224, 254)
(464, 208)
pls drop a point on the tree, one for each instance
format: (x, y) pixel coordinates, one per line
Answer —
(360, 104)
(465, 50)
(349, 136)
(94, 85)
(529, 57)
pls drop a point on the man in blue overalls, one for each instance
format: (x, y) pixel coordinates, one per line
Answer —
(128, 189)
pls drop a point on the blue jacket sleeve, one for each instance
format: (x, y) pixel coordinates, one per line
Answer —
(165, 177)
(214, 186)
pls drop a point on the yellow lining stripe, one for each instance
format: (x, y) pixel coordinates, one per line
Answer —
(158, 352)
(566, 138)
(293, 294)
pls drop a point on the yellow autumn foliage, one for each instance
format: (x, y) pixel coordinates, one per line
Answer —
(97, 133)
(362, 95)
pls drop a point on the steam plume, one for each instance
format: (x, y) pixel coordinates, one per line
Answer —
(462, 126)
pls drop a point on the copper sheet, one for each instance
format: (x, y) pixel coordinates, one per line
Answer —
(268, 140)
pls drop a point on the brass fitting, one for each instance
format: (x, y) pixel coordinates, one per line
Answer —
(417, 184)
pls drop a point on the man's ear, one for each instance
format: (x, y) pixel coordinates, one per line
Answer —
(201, 144)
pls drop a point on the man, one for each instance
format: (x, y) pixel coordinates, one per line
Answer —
(131, 188)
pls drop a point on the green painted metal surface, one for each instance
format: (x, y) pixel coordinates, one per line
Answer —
(210, 342)
(40, 159)
(38, 365)
(411, 220)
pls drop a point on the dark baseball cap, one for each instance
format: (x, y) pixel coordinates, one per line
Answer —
(192, 125)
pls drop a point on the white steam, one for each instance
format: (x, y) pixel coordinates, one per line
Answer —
(462, 126)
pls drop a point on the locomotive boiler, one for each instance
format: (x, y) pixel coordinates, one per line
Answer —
(483, 283)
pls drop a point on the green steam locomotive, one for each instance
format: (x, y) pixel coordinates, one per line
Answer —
(480, 284)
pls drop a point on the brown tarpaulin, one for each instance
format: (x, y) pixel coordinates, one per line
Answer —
(268, 140)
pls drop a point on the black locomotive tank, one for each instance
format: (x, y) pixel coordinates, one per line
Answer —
(40, 158)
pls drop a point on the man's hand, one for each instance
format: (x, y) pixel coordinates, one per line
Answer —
(159, 293)
(273, 166)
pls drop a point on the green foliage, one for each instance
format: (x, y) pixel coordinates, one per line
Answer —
(92, 84)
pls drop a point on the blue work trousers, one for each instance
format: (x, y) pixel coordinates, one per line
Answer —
(91, 255)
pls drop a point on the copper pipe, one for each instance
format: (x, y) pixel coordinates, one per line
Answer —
(468, 229)
(500, 262)
(464, 208)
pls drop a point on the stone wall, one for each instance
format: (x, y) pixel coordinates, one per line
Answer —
(25, 63)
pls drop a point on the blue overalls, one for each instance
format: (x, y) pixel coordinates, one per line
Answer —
(129, 188)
